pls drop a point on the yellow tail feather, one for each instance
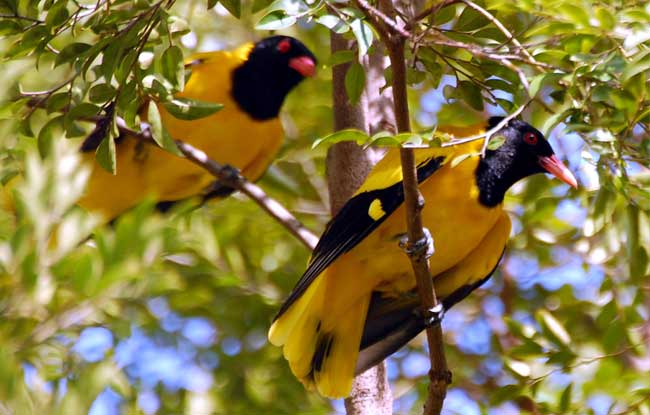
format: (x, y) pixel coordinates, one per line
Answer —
(320, 344)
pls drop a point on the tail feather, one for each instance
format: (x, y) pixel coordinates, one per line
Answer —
(320, 343)
(334, 371)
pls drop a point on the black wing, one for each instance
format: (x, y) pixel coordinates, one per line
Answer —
(351, 225)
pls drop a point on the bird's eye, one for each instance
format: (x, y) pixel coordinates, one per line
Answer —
(284, 46)
(530, 138)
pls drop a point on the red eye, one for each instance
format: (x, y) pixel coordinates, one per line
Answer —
(530, 138)
(284, 46)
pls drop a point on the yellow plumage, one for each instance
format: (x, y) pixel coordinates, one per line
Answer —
(338, 299)
(229, 136)
(357, 292)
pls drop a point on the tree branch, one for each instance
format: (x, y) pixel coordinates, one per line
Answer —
(502, 28)
(348, 164)
(231, 178)
(439, 374)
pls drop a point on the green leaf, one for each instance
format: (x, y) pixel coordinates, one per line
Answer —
(46, 135)
(344, 135)
(9, 27)
(576, 14)
(275, 20)
(57, 102)
(640, 64)
(553, 329)
(333, 23)
(83, 110)
(471, 94)
(363, 33)
(470, 19)
(128, 103)
(408, 139)
(355, 81)
(459, 159)
(30, 40)
(444, 15)
(565, 399)
(172, 66)
(112, 56)
(339, 57)
(496, 141)
(155, 123)
(233, 6)
(191, 109)
(57, 14)
(605, 18)
(101, 93)
(260, 5)
(105, 154)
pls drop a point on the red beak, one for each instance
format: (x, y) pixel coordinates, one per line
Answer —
(554, 166)
(304, 65)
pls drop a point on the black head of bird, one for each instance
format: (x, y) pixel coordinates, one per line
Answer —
(524, 152)
(274, 67)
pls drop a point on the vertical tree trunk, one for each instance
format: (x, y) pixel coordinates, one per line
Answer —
(347, 167)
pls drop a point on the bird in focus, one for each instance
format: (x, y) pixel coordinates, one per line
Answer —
(251, 82)
(355, 304)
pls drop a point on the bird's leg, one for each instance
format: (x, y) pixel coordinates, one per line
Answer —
(424, 245)
(432, 316)
(416, 248)
(218, 188)
(230, 172)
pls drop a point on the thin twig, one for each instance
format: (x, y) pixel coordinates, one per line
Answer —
(489, 133)
(381, 21)
(431, 10)
(501, 27)
(19, 17)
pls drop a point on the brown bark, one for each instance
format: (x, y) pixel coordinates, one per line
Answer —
(347, 167)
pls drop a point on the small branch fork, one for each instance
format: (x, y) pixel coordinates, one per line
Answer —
(229, 176)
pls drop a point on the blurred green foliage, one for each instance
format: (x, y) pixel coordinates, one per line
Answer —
(564, 326)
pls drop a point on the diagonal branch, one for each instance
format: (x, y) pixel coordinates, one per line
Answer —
(230, 177)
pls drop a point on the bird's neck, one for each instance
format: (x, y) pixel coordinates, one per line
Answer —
(256, 95)
(493, 178)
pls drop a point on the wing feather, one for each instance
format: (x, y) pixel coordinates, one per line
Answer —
(352, 224)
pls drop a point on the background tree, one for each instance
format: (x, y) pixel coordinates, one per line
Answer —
(168, 314)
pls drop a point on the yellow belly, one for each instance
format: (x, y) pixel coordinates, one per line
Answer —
(455, 218)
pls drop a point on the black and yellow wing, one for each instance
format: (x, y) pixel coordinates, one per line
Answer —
(362, 214)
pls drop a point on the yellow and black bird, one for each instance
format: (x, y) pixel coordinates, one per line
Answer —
(251, 82)
(355, 304)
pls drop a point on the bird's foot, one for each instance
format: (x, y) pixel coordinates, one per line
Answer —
(432, 316)
(230, 172)
(418, 247)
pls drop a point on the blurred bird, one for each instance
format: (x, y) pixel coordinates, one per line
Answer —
(355, 304)
(251, 82)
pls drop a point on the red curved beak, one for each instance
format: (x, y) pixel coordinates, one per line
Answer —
(554, 166)
(304, 65)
